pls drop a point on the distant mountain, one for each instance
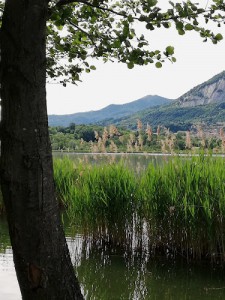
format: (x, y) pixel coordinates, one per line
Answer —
(204, 103)
(209, 92)
(111, 111)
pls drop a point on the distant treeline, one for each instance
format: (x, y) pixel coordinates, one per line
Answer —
(144, 138)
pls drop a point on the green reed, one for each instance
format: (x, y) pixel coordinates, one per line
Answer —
(98, 197)
(183, 204)
(178, 205)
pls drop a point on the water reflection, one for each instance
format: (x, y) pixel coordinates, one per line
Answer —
(112, 273)
(136, 161)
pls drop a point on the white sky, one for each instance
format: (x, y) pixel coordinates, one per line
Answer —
(114, 83)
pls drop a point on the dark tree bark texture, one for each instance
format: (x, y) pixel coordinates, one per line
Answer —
(43, 266)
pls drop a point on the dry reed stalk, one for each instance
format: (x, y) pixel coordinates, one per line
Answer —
(139, 125)
(101, 145)
(132, 138)
(200, 133)
(136, 146)
(149, 132)
(96, 135)
(163, 146)
(171, 142)
(121, 139)
(113, 131)
(113, 147)
(129, 147)
(105, 135)
(140, 141)
(201, 136)
(158, 131)
(188, 144)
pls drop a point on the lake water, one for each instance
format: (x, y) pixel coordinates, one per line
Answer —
(114, 274)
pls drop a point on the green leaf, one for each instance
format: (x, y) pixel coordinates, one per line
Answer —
(93, 67)
(189, 27)
(195, 22)
(219, 37)
(152, 3)
(116, 44)
(170, 50)
(179, 25)
(158, 65)
(130, 65)
(130, 18)
(166, 24)
(150, 26)
(181, 32)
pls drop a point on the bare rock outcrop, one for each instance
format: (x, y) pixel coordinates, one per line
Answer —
(211, 91)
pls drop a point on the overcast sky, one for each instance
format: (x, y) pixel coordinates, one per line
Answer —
(115, 83)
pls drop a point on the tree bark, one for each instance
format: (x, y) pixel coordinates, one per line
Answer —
(43, 266)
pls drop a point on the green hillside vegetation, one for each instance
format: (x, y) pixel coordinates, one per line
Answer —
(174, 117)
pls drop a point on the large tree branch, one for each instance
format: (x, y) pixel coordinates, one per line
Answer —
(65, 2)
(124, 14)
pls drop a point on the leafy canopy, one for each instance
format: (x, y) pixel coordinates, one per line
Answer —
(78, 31)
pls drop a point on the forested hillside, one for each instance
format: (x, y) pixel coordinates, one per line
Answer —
(174, 117)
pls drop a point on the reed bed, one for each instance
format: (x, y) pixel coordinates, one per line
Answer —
(176, 207)
(99, 198)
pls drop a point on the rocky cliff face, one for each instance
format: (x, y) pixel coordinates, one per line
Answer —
(211, 91)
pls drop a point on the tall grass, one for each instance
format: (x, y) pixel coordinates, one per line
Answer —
(176, 207)
(100, 198)
(183, 203)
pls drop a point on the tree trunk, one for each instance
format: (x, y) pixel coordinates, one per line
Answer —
(43, 266)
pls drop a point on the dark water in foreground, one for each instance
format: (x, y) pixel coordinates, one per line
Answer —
(114, 275)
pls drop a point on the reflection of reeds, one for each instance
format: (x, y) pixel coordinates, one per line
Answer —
(178, 205)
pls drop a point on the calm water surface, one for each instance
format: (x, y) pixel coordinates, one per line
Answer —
(111, 274)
